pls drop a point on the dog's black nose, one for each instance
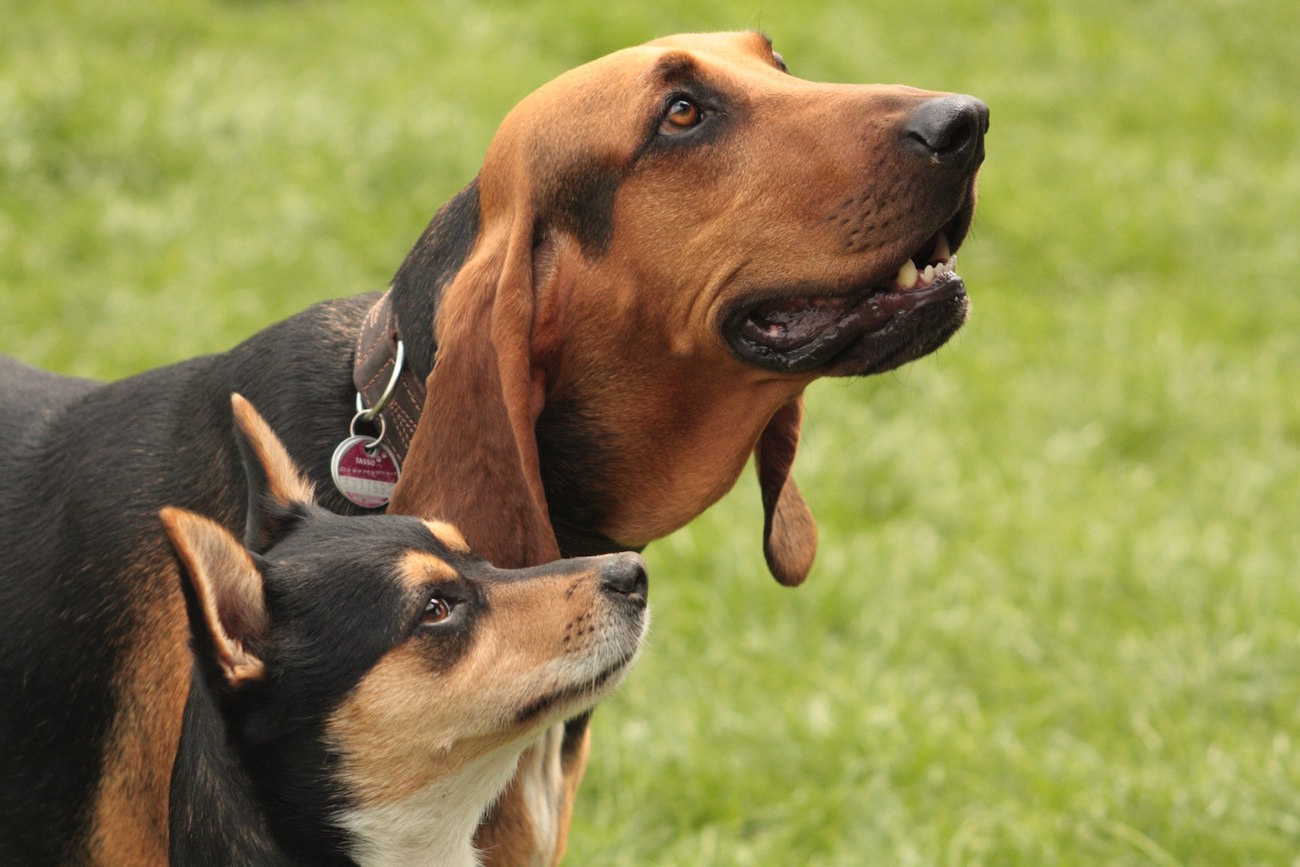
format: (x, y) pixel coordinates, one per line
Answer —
(949, 130)
(625, 574)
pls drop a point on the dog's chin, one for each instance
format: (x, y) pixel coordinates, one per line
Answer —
(577, 697)
(911, 334)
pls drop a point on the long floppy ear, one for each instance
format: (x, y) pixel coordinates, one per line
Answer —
(473, 459)
(275, 483)
(224, 596)
(789, 531)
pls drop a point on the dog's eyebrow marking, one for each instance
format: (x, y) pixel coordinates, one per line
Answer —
(419, 568)
(675, 67)
(448, 535)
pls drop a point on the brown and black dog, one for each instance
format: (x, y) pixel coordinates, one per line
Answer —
(663, 248)
(363, 685)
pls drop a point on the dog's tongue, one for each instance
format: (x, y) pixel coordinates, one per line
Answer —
(796, 321)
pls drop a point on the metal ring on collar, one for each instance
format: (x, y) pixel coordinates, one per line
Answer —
(398, 361)
(361, 416)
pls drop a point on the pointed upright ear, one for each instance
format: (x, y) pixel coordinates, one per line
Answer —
(224, 595)
(275, 483)
(789, 531)
(473, 458)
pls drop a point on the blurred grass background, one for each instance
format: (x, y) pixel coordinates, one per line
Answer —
(1055, 617)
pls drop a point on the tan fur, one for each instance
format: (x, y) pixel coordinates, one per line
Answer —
(573, 766)
(227, 583)
(448, 535)
(284, 481)
(129, 813)
(420, 567)
(511, 837)
(631, 332)
(426, 742)
(128, 822)
(384, 703)
(789, 521)
(521, 652)
(483, 454)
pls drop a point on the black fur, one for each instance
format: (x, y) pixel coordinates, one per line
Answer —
(36, 717)
(86, 469)
(572, 440)
(579, 492)
(256, 778)
(253, 782)
(86, 466)
(580, 202)
(435, 259)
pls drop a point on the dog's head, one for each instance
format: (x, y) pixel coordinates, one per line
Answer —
(663, 249)
(361, 663)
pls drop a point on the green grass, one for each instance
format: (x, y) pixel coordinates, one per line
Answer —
(1056, 613)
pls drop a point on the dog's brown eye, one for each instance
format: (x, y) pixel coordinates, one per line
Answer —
(682, 115)
(435, 612)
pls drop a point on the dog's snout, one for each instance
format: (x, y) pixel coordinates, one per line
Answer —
(949, 130)
(625, 575)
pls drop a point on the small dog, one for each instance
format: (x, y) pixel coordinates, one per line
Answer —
(364, 686)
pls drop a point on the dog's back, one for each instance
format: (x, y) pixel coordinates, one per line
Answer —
(89, 595)
(45, 771)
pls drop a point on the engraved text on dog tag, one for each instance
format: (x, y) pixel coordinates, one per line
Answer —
(365, 471)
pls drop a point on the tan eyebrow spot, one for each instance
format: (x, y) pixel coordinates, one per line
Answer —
(419, 568)
(448, 535)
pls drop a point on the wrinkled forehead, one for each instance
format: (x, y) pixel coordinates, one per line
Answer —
(603, 106)
(748, 48)
(646, 68)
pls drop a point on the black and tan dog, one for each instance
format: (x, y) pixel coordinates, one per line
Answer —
(364, 685)
(662, 250)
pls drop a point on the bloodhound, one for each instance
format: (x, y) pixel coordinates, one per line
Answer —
(664, 247)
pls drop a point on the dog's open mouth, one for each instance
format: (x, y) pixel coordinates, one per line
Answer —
(866, 329)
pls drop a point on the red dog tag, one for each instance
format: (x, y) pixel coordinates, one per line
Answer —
(365, 471)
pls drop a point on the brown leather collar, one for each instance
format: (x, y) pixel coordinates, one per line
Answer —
(373, 368)
(371, 372)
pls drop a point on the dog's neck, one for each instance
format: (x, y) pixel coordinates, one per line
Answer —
(215, 814)
(218, 817)
(434, 826)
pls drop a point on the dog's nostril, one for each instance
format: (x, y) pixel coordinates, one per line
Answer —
(949, 129)
(626, 575)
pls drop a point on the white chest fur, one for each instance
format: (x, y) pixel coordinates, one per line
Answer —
(433, 827)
